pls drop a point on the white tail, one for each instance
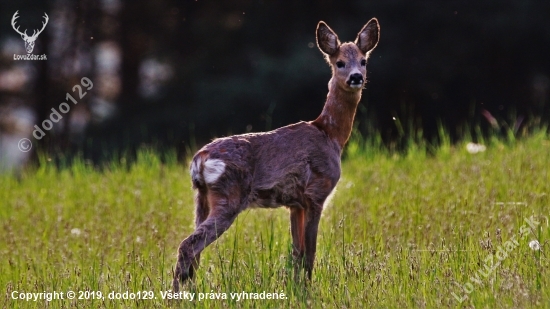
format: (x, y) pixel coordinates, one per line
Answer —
(296, 166)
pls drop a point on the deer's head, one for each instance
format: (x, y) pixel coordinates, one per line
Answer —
(29, 40)
(348, 60)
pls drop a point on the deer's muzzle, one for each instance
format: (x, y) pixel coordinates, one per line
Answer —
(355, 80)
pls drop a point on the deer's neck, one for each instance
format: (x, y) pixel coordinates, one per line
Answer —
(337, 116)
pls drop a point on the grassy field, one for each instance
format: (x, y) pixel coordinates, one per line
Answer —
(450, 229)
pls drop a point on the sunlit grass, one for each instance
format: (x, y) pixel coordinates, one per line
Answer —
(402, 231)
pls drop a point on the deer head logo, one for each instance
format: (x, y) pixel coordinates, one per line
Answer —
(29, 40)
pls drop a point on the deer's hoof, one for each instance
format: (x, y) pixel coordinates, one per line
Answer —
(176, 285)
(181, 275)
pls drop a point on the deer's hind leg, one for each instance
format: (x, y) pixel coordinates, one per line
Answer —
(202, 210)
(223, 209)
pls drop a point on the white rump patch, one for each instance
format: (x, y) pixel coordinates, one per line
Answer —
(213, 169)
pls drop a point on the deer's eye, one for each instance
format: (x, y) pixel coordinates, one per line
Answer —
(340, 64)
(363, 62)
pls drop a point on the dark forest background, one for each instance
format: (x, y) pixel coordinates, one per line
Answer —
(175, 74)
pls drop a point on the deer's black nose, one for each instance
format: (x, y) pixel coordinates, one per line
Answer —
(355, 79)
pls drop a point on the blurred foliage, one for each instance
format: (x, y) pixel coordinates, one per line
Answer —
(244, 65)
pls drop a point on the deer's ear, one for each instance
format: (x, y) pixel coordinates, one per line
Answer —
(327, 40)
(367, 38)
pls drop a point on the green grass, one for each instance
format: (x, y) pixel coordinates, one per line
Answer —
(402, 231)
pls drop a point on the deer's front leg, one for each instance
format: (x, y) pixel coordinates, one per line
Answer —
(311, 229)
(297, 228)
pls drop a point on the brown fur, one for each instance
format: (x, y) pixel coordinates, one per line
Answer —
(296, 166)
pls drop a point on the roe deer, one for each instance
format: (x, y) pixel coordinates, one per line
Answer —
(296, 166)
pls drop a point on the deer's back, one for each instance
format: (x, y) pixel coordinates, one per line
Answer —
(272, 168)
